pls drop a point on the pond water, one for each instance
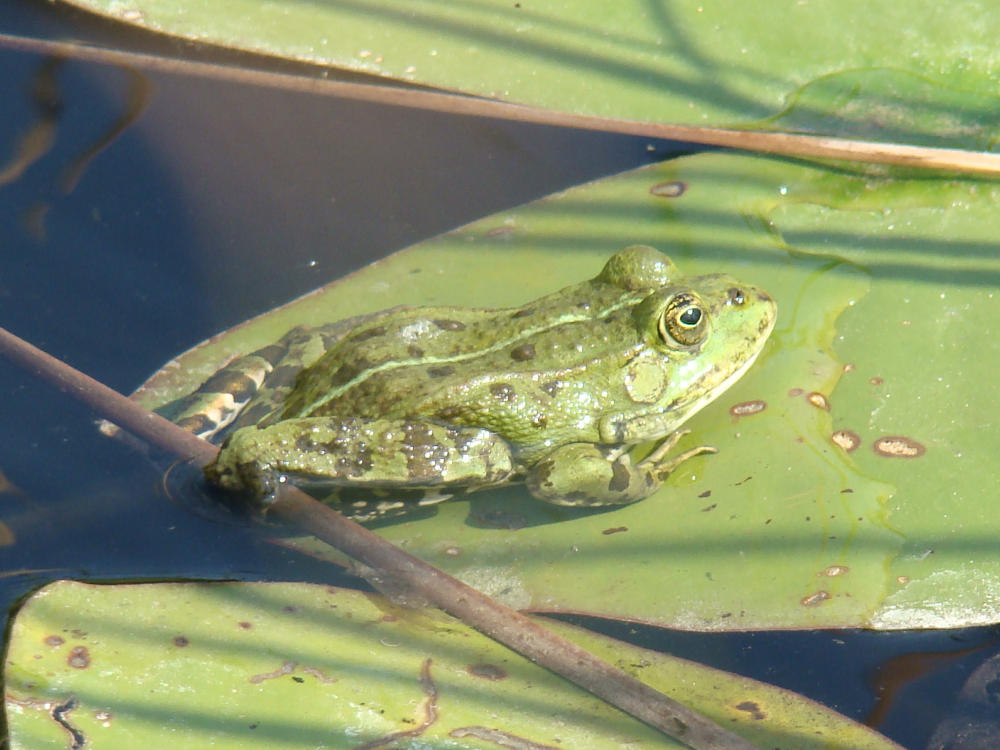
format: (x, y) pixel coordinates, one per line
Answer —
(219, 201)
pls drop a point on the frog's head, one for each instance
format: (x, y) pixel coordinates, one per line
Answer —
(701, 335)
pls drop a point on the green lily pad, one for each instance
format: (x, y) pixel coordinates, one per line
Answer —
(306, 666)
(687, 61)
(885, 318)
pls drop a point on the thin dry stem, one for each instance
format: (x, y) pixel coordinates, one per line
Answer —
(782, 144)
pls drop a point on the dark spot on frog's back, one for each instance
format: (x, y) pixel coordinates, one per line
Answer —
(446, 324)
(424, 457)
(415, 351)
(254, 414)
(284, 376)
(552, 387)
(369, 333)
(523, 353)
(272, 354)
(523, 313)
(350, 370)
(440, 372)
(503, 392)
(355, 465)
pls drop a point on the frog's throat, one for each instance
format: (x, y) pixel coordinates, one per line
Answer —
(626, 301)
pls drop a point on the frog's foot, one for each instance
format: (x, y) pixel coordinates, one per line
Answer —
(657, 462)
(587, 475)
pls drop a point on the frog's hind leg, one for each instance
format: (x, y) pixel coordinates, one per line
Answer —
(380, 454)
(588, 475)
(263, 376)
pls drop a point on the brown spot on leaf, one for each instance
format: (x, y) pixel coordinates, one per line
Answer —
(747, 408)
(244, 625)
(181, 641)
(835, 570)
(79, 657)
(814, 599)
(846, 439)
(795, 392)
(876, 380)
(897, 446)
(285, 669)
(818, 400)
(672, 189)
(614, 530)
(54, 641)
(487, 671)
(752, 708)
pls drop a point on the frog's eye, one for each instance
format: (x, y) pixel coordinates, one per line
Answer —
(684, 321)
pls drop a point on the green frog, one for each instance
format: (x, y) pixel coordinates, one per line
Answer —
(554, 394)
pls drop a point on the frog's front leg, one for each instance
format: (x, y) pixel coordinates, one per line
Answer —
(588, 475)
(379, 453)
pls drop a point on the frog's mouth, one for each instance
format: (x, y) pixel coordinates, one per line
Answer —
(713, 393)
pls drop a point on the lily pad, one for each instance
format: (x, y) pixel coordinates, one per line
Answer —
(726, 62)
(788, 527)
(306, 666)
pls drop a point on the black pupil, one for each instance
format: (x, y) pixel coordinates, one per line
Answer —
(691, 316)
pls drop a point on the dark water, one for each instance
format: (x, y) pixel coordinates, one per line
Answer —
(222, 200)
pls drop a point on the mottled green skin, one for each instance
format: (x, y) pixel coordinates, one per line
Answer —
(553, 393)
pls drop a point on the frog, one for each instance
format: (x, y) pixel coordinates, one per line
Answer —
(563, 394)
